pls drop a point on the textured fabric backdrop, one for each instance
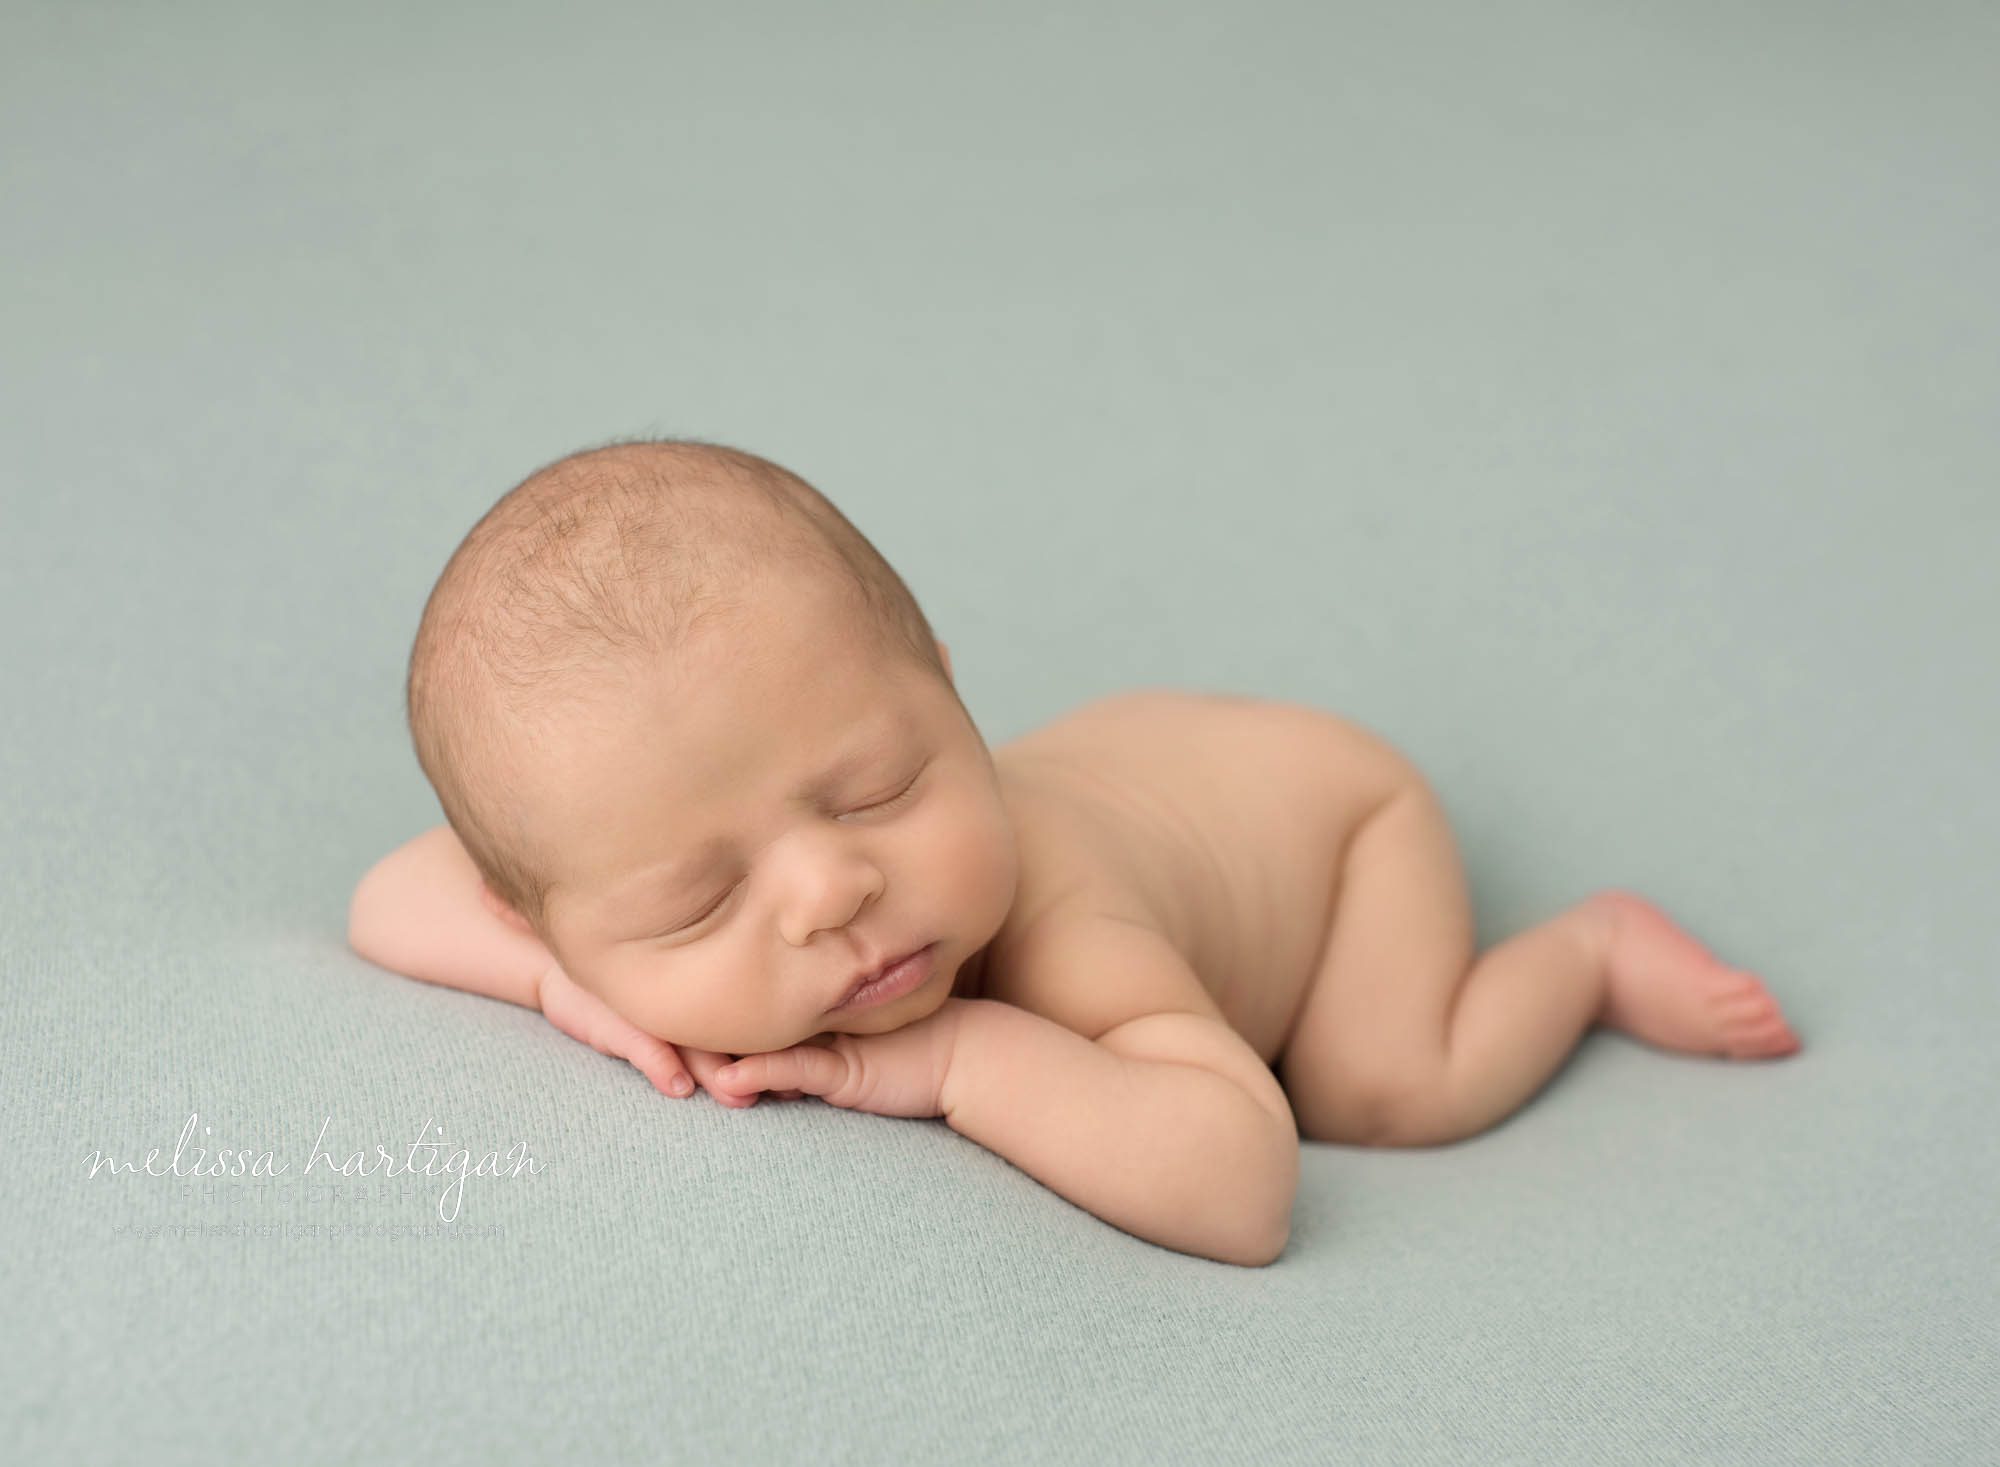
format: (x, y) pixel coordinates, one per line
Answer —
(1596, 399)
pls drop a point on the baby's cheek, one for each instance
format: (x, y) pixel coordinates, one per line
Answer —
(981, 853)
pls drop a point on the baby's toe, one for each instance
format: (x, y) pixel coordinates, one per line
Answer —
(1747, 1008)
(1761, 1043)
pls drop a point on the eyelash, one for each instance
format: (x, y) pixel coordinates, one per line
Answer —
(891, 803)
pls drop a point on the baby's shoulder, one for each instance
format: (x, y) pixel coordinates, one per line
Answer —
(1092, 970)
(1111, 728)
(1154, 746)
(1141, 805)
(1102, 804)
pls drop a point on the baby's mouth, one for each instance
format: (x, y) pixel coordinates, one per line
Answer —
(869, 977)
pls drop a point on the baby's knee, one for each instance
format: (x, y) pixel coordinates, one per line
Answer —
(1362, 1106)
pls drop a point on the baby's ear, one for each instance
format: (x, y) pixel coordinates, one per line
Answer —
(491, 900)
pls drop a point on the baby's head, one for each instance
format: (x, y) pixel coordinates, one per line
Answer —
(699, 738)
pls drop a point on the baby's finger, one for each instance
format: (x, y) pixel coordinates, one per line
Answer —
(704, 1063)
(807, 1068)
(751, 1072)
(658, 1062)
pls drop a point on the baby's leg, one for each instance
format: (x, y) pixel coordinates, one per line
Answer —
(1404, 1040)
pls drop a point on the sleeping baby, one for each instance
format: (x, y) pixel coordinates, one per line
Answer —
(715, 807)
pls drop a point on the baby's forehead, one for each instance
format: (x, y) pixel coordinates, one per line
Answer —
(735, 698)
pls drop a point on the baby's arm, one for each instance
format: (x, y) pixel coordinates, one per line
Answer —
(418, 912)
(423, 911)
(1166, 1148)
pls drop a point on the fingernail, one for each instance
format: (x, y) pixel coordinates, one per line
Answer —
(727, 1072)
(681, 1085)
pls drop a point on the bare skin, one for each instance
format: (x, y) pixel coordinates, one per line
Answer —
(1309, 877)
(820, 874)
(1297, 862)
(1169, 933)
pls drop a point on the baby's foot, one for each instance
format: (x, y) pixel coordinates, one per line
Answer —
(1668, 990)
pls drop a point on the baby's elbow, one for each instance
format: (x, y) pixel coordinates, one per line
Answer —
(1268, 1244)
(366, 919)
(1272, 1249)
(1266, 1228)
(1257, 1248)
(1277, 1231)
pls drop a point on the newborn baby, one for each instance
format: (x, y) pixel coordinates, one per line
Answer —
(712, 795)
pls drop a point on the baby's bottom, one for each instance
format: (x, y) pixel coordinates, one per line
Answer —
(1403, 1039)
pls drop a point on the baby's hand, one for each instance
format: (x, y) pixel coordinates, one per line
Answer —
(900, 1073)
(581, 1014)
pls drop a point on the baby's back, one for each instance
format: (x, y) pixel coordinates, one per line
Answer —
(1217, 820)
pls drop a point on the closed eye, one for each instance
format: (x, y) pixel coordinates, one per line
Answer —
(701, 916)
(898, 798)
(895, 801)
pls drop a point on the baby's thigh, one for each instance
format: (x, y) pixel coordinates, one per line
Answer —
(1372, 1027)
